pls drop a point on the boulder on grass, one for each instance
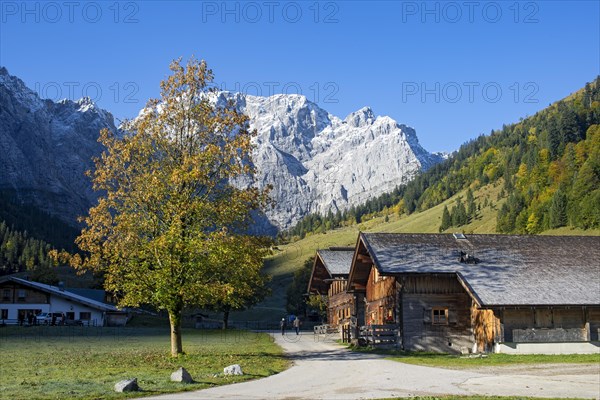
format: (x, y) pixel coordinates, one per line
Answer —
(234, 369)
(127, 385)
(181, 375)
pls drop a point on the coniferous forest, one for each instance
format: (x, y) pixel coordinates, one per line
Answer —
(19, 252)
(549, 164)
(26, 236)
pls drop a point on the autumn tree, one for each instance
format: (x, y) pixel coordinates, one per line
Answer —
(242, 270)
(169, 217)
(318, 303)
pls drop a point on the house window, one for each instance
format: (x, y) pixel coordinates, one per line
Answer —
(21, 293)
(439, 316)
(86, 316)
(6, 295)
(4, 314)
(389, 319)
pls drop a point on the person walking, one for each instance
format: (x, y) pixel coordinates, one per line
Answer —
(297, 325)
(282, 325)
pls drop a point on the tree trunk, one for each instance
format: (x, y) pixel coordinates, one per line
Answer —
(176, 344)
(225, 319)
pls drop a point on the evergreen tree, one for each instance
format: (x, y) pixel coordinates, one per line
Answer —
(558, 210)
(471, 206)
(446, 220)
(459, 214)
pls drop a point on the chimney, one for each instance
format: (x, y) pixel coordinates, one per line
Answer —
(61, 286)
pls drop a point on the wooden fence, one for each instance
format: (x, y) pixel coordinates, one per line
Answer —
(379, 335)
(324, 329)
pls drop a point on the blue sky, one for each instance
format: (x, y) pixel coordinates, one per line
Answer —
(452, 70)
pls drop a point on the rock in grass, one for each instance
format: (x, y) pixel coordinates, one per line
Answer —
(181, 375)
(234, 369)
(127, 385)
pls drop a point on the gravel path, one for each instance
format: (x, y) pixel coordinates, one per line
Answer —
(324, 370)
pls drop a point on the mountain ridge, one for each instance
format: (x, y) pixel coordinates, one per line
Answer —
(328, 163)
(315, 161)
(47, 147)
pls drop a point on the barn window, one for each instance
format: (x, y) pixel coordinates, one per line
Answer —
(439, 316)
(21, 293)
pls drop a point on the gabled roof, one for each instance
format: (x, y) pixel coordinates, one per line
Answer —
(94, 294)
(329, 264)
(337, 260)
(54, 290)
(500, 269)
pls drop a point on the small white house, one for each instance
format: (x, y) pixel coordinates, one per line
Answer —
(20, 297)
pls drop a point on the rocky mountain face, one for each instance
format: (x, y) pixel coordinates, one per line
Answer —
(46, 147)
(315, 161)
(318, 162)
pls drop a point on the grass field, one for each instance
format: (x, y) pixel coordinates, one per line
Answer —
(86, 362)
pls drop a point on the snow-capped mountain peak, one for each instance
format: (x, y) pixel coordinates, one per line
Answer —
(318, 163)
(315, 161)
(362, 117)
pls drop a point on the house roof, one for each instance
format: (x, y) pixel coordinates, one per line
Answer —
(94, 294)
(508, 269)
(337, 260)
(54, 290)
(329, 264)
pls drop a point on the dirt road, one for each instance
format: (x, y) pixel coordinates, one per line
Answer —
(324, 370)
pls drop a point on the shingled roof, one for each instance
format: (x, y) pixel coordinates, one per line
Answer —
(500, 269)
(337, 260)
(330, 264)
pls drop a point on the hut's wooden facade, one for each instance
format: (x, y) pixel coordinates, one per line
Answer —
(330, 277)
(514, 294)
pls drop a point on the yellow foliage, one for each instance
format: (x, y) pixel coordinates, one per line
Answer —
(544, 155)
(164, 229)
(532, 224)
